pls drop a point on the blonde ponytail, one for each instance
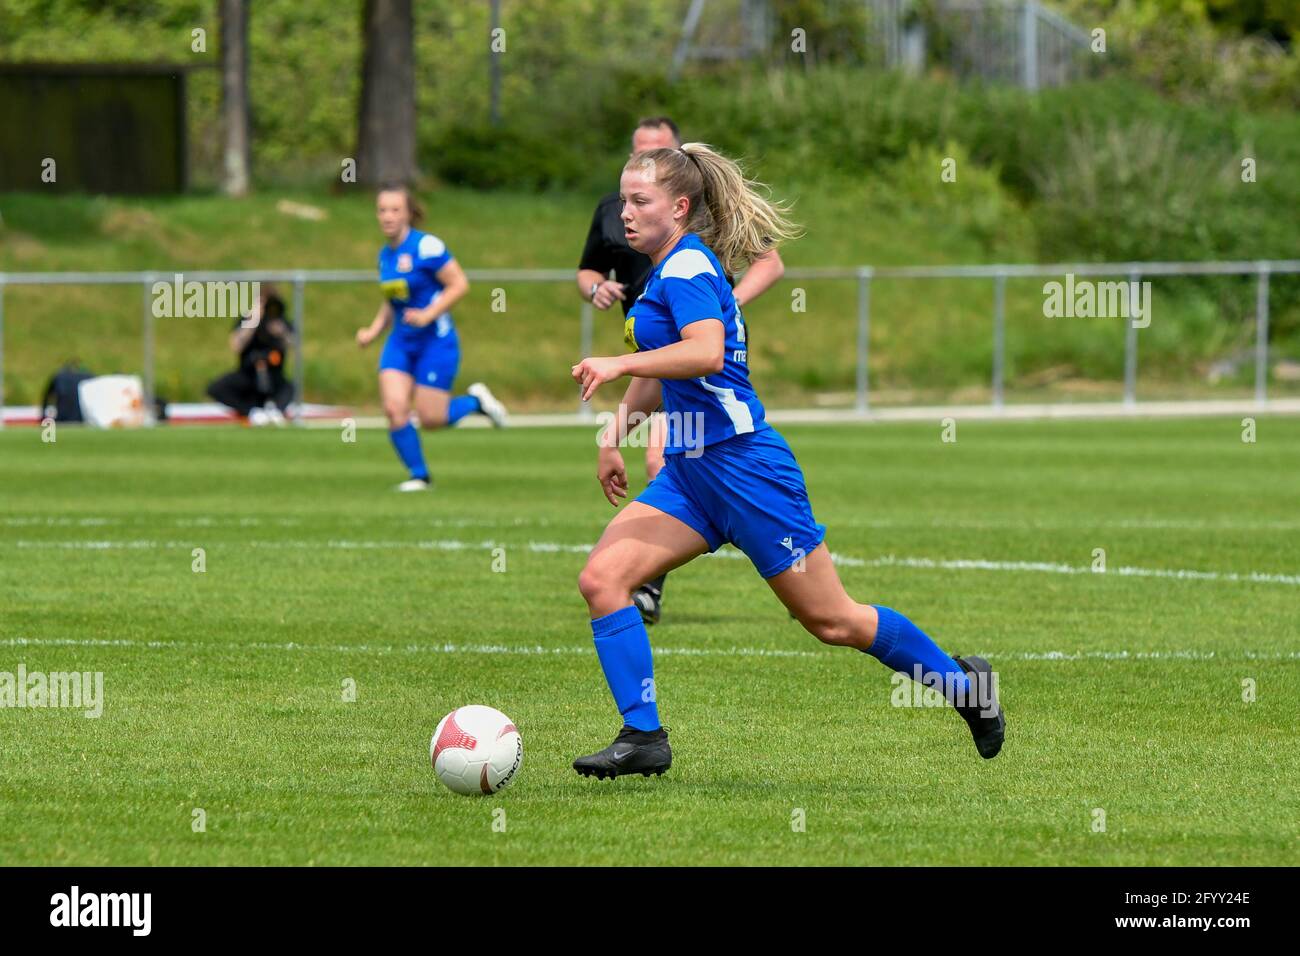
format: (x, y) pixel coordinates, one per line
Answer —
(731, 214)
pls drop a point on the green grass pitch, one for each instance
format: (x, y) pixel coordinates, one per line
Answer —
(1125, 690)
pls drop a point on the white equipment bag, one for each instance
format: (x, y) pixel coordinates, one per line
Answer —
(114, 401)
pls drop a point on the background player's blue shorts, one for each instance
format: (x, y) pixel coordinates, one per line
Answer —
(432, 363)
(748, 490)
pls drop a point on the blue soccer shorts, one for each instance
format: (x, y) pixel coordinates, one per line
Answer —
(747, 490)
(432, 363)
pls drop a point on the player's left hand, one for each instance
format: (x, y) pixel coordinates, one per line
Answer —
(591, 373)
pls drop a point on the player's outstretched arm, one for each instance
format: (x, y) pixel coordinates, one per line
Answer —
(700, 352)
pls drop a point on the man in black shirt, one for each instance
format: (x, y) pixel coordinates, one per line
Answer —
(612, 271)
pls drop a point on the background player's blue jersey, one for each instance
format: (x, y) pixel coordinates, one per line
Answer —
(687, 286)
(408, 276)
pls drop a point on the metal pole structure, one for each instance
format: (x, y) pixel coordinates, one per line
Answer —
(1130, 346)
(864, 329)
(148, 332)
(300, 362)
(584, 408)
(494, 109)
(2, 353)
(1261, 336)
(683, 49)
(999, 336)
(1029, 45)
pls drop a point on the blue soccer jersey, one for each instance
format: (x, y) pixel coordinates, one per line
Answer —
(408, 274)
(689, 285)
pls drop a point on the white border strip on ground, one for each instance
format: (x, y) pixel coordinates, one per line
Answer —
(552, 547)
(583, 651)
(420, 521)
(1203, 408)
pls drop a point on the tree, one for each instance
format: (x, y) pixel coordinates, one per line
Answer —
(386, 118)
(236, 159)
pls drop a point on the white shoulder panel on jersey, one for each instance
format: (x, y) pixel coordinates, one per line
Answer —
(431, 247)
(687, 264)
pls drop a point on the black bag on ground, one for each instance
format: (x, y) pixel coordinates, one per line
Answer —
(61, 398)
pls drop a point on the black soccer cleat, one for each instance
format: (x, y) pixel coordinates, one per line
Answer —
(988, 731)
(648, 599)
(633, 751)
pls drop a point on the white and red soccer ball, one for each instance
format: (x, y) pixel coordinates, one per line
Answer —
(476, 749)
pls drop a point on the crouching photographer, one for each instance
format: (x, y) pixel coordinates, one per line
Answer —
(258, 389)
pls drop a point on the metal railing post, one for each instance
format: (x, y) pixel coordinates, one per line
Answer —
(864, 330)
(1029, 45)
(1261, 336)
(148, 333)
(999, 337)
(1131, 346)
(300, 362)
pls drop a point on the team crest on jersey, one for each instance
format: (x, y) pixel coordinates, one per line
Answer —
(404, 262)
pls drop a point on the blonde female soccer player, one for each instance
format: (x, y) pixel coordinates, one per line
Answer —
(606, 251)
(728, 475)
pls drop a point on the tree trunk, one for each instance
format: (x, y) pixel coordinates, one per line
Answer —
(234, 95)
(386, 118)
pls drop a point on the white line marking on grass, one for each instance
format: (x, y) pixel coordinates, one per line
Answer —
(967, 564)
(585, 650)
(218, 521)
(408, 521)
(545, 547)
(444, 648)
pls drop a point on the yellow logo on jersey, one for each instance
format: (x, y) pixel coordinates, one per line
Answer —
(629, 333)
(396, 289)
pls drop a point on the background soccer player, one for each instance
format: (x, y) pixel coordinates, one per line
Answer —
(730, 478)
(421, 282)
(612, 271)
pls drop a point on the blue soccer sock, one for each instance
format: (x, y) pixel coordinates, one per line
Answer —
(461, 406)
(623, 647)
(902, 646)
(407, 442)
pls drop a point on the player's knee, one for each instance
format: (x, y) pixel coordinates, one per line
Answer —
(397, 415)
(591, 582)
(600, 586)
(433, 421)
